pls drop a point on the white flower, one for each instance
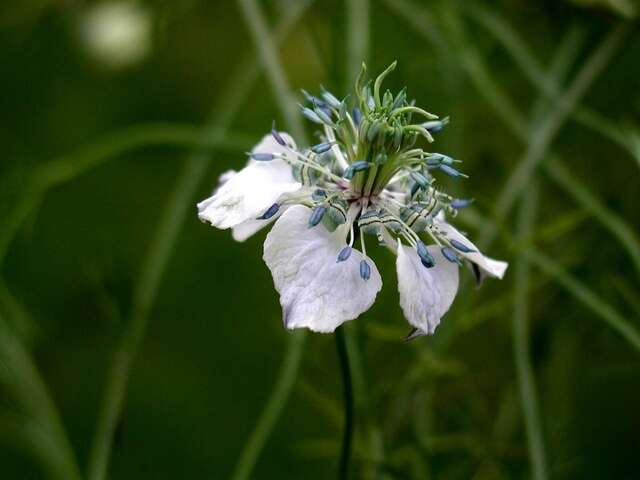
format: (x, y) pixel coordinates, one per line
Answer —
(366, 178)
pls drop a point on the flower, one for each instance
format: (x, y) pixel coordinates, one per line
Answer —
(366, 178)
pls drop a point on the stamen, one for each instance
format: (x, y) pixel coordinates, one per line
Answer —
(450, 255)
(276, 135)
(316, 215)
(344, 254)
(459, 203)
(271, 211)
(365, 270)
(322, 147)
(452, 172)
(263, 157)
(460, 246)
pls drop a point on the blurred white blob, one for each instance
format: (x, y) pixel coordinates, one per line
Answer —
(117, 34)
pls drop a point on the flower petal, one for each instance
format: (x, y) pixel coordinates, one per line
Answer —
(493, 268)
(316, 292)
(425, 293)
(247, 194)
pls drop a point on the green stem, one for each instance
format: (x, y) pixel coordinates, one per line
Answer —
(269, 58)
(273, 409)
(347, 437)
(521, 341)
(543, 133)
(357, 38)
(68, 167)
(18, 370)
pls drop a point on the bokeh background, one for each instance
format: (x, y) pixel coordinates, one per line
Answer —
(137, 342)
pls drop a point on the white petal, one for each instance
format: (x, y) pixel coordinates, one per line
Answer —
(425, 293)
(250, 192)
(315, 291)
(493, 268)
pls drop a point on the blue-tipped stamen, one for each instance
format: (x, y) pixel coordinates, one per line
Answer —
(344, 254)
(365, 270)
(357, 116)
(435, 126)
(452, 172)
(425, 257)
(419, 179)
(450, 255)
(316, 215)
(324, 115)
(460, 203)
(276, 135)
(311, 115)
(319, 195)
(263, 157)
(322, 147)
(355, 167)
(271, 211)
(460, 246)
(330, 99)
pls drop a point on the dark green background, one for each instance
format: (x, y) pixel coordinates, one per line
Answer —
(214, 342)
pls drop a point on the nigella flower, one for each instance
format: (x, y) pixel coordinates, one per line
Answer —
(366, 179)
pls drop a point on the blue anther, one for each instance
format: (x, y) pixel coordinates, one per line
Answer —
(316, 215)
(276, 135)
(330, 99)
(365, 270)
(344, 254)
(313, 99)
(450, 255)
(461, 246)
(357, 116)
(263, 157)
(359, 166)
(324, 115)
(419, 179)
(451, 171)
(322, 147)
(319, 194)
(271, 211)
(425, 257)
(428, 262)
(459, 203)
(311, 115)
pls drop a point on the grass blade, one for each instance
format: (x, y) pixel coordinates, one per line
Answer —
(521, 341)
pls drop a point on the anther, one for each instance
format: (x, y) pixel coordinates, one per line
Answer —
(450, 255)
(271, 211)
(460, 246)
(459, 203)
(344, 254)
(263, 157)
(365, 270)
(316, 215)
(322, 147)
(276, 135)
(452, 172)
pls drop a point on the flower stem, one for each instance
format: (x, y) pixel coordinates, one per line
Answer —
(347, 436)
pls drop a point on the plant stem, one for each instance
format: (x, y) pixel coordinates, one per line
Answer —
(269, 58)
(357, 39)
(273, 409)
(68, 167)
(347, 436)
(522, 355)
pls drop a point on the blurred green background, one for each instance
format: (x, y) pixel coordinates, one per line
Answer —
(123, 317)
